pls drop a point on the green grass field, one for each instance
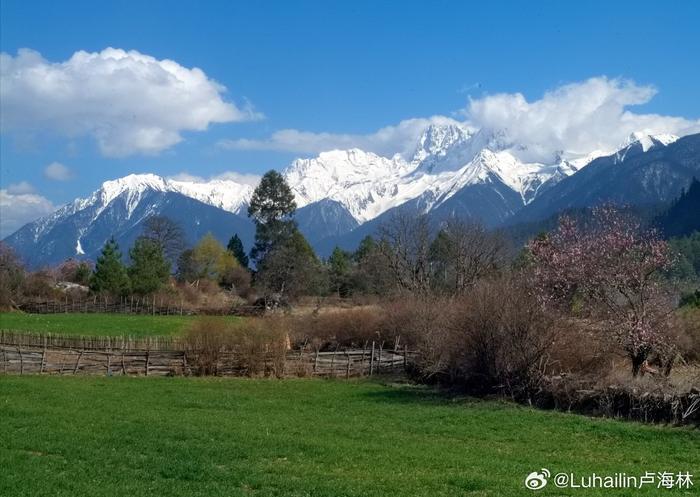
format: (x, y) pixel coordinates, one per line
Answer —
(87, 436)
(136, 325)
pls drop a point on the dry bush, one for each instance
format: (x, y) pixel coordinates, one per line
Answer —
(204, 298)
(580, 348)
(261, 345)
(688, 324)
(40, 285)
(424, 323)
(205, 342)
(496, 339)
(339, 327)
(250, 347)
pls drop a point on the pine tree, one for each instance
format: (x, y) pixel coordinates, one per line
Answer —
(110, 274)
(290, 268)
(339, 267)
(235, 246)
(149, 268)
(271, 208)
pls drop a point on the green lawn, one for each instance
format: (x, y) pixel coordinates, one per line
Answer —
(97, 324)
(87, 436)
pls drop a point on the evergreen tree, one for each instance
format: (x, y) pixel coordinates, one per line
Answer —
(339, 268)
(365, 249)
(271, 208)
(149, 268)
(370, 273)
(290, 268)
(235, 246)
(110, 275)
(187, 267)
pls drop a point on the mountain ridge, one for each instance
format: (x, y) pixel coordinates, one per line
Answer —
(454, 170)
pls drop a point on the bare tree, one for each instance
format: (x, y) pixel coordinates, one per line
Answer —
(11, 277)
(466, 251)
(167, 234)
(405, 245)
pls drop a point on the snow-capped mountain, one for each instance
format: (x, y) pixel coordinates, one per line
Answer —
(647, 171)
(454, 170)
(447, 159)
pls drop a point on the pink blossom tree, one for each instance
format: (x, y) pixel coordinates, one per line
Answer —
(611, 266)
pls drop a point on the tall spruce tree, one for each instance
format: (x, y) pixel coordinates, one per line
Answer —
(110, 275)
(149, 269)
(271, 208)
(235, 246)
(339, 265)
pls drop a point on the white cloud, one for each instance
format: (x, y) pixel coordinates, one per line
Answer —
(20, 188)
(578, 117)
(128, 101)
(246, 179)
(387, 141)
(18, 209)
(57, 172)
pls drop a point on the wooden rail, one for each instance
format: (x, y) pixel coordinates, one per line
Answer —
(51, 354)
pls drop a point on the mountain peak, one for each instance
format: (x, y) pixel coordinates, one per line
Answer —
(640, 142)
(647, 141)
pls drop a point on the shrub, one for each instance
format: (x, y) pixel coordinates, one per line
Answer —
(495, 339)
(342, 327)
(252, 346)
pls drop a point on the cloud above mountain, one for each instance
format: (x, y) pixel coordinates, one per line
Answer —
(57, 172)
(242, 178)
(19, 204)
(387, 141)
(129, 102)
(579, 118)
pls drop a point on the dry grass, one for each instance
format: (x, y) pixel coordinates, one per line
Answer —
(258, 344)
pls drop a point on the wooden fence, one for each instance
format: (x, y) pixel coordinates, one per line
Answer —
(156, 307)
(23, 353)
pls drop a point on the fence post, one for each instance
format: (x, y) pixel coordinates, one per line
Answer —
(371, 360)
(77, 362)
(43, 357)
(316, 360)
(405, 357)
(347, 371)
(333, 362)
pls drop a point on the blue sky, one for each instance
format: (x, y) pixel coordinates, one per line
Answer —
(343, 70)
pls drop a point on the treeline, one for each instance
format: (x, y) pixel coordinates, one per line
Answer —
(408, 255)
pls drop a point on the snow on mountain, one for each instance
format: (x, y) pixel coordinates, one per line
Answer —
(446, 159)
(224, 194)
(639, 142)
(452, 165)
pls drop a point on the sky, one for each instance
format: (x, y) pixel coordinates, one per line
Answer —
(92, 91)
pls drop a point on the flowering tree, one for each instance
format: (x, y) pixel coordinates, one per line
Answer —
(612, 267)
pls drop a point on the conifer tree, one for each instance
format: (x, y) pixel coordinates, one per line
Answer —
(149, 268)
(110, 275)
(235, 246)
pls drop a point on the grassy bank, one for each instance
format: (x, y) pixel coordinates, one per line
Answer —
(136, 325)
(234, 437)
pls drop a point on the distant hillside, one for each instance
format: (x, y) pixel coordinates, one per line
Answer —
(633, 176)
(683, 216)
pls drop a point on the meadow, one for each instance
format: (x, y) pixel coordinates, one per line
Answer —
(97, 436)
(135, 325)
